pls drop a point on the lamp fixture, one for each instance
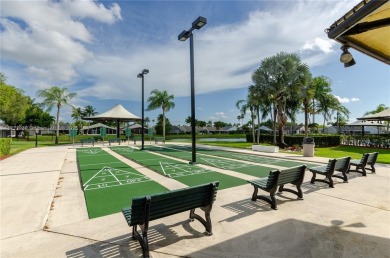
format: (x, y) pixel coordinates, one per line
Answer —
(346, 57)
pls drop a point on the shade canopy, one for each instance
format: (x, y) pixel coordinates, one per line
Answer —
(381, 116)
(365, 28)
(365, 123)
(117, 113)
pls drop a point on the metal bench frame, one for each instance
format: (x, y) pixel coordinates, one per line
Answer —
(294, 175)
(147, 208)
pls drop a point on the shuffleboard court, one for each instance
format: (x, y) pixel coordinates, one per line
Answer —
(243, 156)
(109, 184)
(214, 161)
(187, 174)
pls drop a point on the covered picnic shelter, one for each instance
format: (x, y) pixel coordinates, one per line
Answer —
(366, 28)
(118, 114)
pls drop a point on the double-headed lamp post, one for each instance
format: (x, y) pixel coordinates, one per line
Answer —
(197, 24)
(141, 75)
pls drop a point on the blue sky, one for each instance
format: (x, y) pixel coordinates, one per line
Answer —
(97, 48)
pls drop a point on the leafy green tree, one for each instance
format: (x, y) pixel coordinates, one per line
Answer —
(219, 124)
(161, 121)
(161, 99)
(77, 115)
(243, 105)
(36, 116)
(201, 123)
(55, 96)
(281, 76)
(13, 103)
(321, 85)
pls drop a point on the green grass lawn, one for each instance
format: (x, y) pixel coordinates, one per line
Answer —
(329, 152)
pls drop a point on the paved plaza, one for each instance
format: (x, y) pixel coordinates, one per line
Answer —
(43, 214)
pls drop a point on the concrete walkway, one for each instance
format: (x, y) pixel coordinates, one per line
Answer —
(43, 214)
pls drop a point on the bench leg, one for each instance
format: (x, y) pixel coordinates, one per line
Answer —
(330, 181)
(142, 239)
(254, 195)
(313, 178)
(205, 222)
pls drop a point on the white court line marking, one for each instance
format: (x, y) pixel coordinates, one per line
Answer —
(163, 169)
(94, 176)
(92, 164)
(115, 177)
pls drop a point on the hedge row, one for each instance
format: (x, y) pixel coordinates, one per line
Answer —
(5, 146)
(319, 140)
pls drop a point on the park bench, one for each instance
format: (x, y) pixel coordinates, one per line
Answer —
(87, 140)
(334, 165)
(279, 178)
(367, 159)
(159, 139)
(137, 138)
(147, 208)
(112, 140)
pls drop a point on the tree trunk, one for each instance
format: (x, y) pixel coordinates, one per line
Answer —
(306, 119)
(163, 124)
(259, 124)
(274, 122)
(253, 128)
(282, 121)
(58, 125)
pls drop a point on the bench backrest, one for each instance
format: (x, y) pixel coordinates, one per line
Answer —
(331, 165)
(292, 175)
(157, 206)
(371, 159)
(287, 176)
(342, 164)
(363, 160)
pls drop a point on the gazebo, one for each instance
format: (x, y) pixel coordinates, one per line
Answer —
(118, 114)
(381, 116)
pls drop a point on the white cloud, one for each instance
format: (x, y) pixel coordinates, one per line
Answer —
(49, 37)
(54, 45)
(346, 100)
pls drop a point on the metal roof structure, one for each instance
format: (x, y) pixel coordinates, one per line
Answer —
(365, 28)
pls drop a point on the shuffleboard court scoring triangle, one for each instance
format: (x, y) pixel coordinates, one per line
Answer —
(110, 177)
(89, 151)
(173, 170)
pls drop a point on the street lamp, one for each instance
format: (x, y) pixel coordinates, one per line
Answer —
(36, 137)
(197, 24)
(141, 75)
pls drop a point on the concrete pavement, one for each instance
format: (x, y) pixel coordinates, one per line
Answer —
(43, 214)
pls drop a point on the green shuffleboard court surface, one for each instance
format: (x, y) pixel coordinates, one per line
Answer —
(185, 173)
(244, 157)
(109, 184)
(214, 161)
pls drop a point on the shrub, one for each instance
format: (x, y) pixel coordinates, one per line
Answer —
(297, 140)
(5, 146)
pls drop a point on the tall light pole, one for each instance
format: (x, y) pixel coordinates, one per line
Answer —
(197, 24)
(141, 75)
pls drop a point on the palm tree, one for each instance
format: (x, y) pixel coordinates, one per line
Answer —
(321, 85)
(307, 94)
(77, 114)
(243, 106)
(161, 99)
(261, 103)
(281, 76)
(55, 96)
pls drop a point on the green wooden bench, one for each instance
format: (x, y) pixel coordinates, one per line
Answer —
(147, 208)
(279, 178)
(112, 140)
(159, 139)
(87, 140)
(334, 165)
(367, 159)
(137, 138)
